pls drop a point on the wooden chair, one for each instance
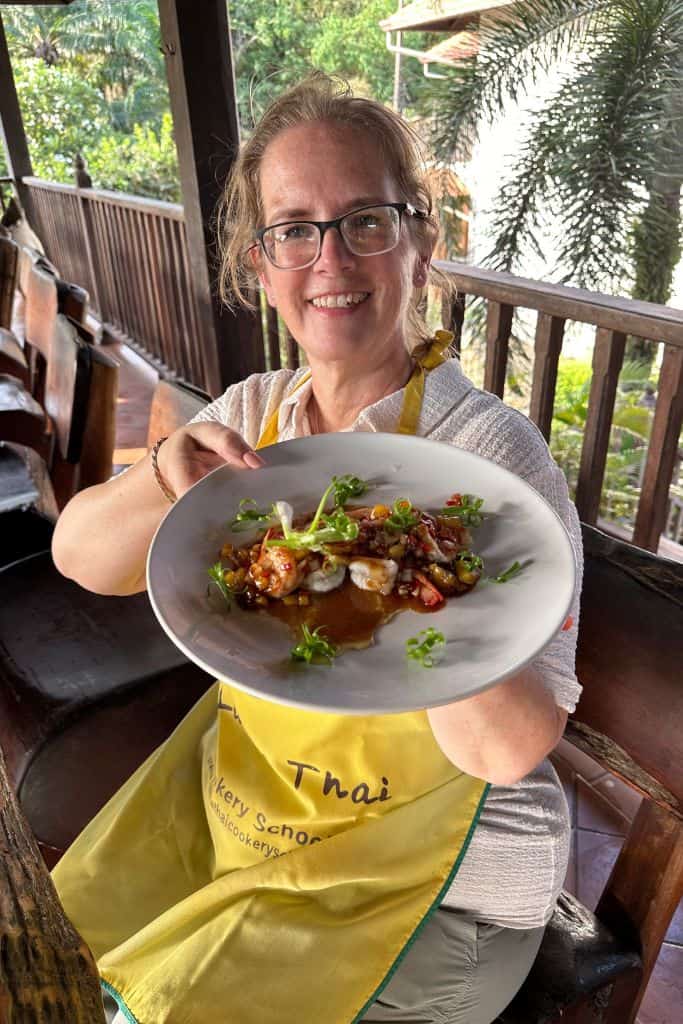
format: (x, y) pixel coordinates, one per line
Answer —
(75, 434)
(594, 968)
(12, 358)
(591, 968)
(173, 405)
(9, 266)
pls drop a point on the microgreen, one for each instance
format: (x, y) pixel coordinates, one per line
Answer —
(249, 515)
(468, 511)
(314, 647)
(472, 562)
(503, 577)
(216, 574)
(420, 647)
(346, 487)
(323, 529)
(403, 516)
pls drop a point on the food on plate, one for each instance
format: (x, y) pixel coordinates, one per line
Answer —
(335, 575)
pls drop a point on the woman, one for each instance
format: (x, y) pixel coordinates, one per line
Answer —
(434, 911)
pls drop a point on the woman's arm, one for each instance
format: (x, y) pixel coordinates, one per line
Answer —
(103, 535)
(502, 734)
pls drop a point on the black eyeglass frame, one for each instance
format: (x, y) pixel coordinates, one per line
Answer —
(324, 225)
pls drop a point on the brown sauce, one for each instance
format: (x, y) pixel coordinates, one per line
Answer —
(348, 616)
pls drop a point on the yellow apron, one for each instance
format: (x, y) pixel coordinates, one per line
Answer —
(270, 865)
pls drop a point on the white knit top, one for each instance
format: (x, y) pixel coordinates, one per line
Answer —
(515, 865)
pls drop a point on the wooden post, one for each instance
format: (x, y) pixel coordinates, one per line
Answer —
(196, 43)
(47, 972)
(548, 346)
(661, 452)
(498, 330)
(12, 125)
(608, 355)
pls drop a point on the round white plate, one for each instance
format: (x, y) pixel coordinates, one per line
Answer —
(490, 632)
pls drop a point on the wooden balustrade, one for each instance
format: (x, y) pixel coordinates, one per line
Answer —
(131, 254)
(613, 319)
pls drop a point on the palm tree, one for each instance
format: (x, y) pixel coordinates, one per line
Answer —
(603, 157)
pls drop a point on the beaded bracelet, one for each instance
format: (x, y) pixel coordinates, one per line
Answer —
(163, 486)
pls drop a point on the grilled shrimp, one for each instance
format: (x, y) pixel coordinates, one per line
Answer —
(277, 571)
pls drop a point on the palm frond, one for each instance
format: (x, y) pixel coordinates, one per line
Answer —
(513, 50)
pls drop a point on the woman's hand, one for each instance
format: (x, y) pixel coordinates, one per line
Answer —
(191, 452)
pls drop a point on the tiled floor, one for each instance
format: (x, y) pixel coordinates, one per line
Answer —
(601, 806)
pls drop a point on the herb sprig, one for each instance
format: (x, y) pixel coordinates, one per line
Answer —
(322, 530)
(216, 575)
(249, 514)
(346, 487)
(420, 647)
(403, 516)
(510, 573)
(467, 509)
(314, 647)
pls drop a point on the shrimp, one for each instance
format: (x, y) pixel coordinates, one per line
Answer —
(277, 571)
(378, 574)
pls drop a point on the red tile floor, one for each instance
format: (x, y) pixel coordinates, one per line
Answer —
(601, 806)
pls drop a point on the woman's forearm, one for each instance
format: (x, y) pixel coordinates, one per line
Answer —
(502, 734)
(103, 535)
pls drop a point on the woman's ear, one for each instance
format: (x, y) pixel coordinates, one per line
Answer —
(261, 268)
(421, 271)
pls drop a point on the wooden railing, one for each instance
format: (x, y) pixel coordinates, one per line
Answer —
(131, 255)
(613, 319)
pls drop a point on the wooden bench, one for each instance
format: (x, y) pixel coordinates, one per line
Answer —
(592, 968)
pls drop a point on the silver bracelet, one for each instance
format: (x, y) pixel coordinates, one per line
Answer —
(163, 486)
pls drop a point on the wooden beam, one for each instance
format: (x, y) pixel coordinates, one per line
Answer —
(196, 44)
(11, 123)
(47, 973)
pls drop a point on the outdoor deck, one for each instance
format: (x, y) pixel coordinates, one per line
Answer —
(602, 807)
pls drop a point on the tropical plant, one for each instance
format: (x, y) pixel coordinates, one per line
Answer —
(603, 156)
(629, 434)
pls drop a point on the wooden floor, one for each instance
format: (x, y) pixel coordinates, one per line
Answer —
(601, 806)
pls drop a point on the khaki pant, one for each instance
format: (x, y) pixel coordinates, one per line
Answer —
(457, 971)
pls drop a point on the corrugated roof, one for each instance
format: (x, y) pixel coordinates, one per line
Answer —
(439, 15)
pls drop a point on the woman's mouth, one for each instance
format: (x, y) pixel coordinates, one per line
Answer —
(339, 300)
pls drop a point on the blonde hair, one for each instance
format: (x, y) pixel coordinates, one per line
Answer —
(320, 97)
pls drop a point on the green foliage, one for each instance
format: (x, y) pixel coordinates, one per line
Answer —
(63, 115)
(143, 162)
(603, 145)
(276, 45)
(629, 435)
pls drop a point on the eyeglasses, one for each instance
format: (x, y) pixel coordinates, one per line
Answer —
(368, 231)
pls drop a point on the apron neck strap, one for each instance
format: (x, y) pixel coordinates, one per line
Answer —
(431, 357)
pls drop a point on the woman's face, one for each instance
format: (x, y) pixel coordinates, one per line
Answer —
(320, 171)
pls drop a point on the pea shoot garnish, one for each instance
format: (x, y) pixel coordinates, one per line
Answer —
(403, 516)
(249, 515)
(322, 530)
(510, 573)
(470, 561)
(464, 507)
(420, 647)
(313, 647)
(346, 487)
(216, 575)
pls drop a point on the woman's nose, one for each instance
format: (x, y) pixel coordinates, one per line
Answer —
(334, 253)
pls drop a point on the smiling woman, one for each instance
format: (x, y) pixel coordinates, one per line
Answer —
(426, 900)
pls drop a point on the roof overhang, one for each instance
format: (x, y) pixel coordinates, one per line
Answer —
(440, 15)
